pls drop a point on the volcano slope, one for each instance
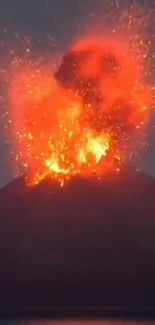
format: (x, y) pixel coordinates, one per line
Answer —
(88, 243)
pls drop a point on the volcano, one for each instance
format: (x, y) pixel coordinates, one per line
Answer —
(87, 117)
(90, 243)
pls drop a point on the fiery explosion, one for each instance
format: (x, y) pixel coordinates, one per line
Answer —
(82, 120)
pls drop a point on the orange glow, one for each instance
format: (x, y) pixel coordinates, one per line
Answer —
(58, 134)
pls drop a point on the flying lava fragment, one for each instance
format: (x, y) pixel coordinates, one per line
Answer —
(84, 118)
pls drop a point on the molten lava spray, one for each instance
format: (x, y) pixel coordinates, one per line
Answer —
(82, 120)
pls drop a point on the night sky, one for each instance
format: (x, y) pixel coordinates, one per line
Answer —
(63, 20)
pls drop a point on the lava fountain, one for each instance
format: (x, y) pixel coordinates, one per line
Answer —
(85, 118)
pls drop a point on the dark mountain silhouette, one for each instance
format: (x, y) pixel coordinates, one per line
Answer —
(89, 243)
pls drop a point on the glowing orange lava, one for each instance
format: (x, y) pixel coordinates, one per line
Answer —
(84, 119)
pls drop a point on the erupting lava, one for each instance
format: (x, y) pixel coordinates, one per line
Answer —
(83, 120)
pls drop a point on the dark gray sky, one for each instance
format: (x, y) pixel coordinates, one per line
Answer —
(63, 19)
